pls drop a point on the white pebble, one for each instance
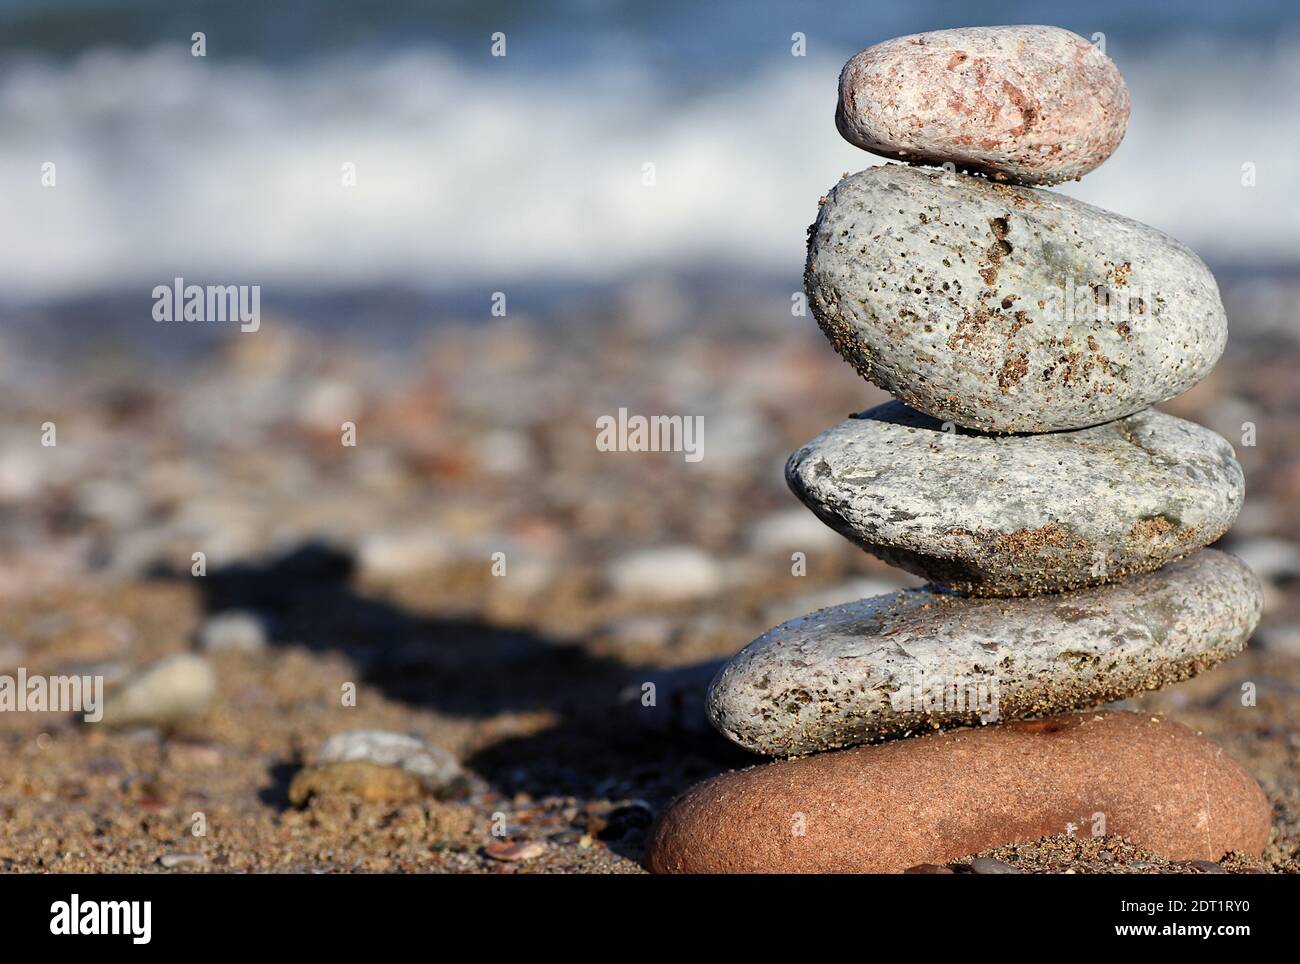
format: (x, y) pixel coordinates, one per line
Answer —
(235, 630)
(177, 688)
(668, 573)
(433, 765)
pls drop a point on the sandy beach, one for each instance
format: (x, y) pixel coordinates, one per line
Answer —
(378, 565)
(397, 405)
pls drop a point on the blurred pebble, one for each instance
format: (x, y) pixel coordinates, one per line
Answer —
(1227, 415)
(515, 850)
(736, 441)
(174, 689)
(398, 553)
(1205, 866)
(987, 865)
(432, 765)
(638, 632)
(183, 860)
(845, 592)
(117, 503)
(530, 575)
(1258, 517)
(235, 630)
(791, 530)
(328, 403)
(21, 472)
(1134, 706)
(1280, 639)
(1272, 559)
(929, 869)
(667, 573)
(504, 452)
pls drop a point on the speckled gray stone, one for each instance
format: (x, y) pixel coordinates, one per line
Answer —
(924, 659)
(1007, 309)
(1007, 515)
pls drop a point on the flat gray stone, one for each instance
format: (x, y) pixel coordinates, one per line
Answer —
(924, 659)
(1007, 309)
(1008, 515)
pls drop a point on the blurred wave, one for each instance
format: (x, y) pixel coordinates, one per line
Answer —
(484, 173)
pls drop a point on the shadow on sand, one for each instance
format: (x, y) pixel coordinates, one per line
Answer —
(605, 743)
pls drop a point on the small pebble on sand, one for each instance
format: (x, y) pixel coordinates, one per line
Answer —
(233, 631)
(171, 691)
(432, 765)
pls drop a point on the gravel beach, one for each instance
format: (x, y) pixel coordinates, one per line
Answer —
(475, 573)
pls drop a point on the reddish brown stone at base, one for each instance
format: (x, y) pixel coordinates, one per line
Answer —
(932, 799)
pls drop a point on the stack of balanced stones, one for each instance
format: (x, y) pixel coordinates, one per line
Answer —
(1059, 518)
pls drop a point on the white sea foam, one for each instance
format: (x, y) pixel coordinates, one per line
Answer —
(478, 175)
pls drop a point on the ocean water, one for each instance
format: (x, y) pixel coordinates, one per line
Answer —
(481, 173)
